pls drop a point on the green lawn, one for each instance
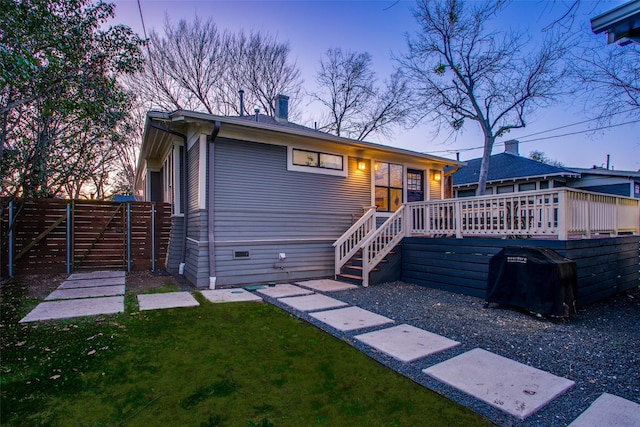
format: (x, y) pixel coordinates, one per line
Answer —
(241, 364)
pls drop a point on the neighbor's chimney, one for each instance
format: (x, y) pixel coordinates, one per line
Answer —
(511, 147)
(282, 108)
(241, 93)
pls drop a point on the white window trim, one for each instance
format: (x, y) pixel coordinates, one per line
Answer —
(312, 169)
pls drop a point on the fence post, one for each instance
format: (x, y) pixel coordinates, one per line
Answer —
(128, 237)
(153, 237)
(10, 243)
(68, 238)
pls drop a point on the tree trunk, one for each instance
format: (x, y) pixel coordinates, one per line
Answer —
(484, 166)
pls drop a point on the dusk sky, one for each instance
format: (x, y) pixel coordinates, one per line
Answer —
(379, 27)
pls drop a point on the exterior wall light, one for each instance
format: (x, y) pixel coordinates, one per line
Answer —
(437, 176)
(361, 165)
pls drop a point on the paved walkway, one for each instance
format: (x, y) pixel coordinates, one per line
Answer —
(83, 294)
(512, 387)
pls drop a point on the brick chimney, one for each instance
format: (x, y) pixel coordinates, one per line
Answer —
(511, 147)
(282, 108)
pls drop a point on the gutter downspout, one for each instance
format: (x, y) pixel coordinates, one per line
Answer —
(210, 203)
(183, 193)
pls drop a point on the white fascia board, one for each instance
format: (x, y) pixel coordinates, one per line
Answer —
(195, 116)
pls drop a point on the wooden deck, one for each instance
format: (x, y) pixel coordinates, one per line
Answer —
(560, 214)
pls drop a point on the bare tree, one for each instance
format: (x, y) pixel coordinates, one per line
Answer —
(464, 72)
(540, 156)
(195, 66)
(356, 107)
(611, 78)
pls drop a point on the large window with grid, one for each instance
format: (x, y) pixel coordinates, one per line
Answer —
(388, 181)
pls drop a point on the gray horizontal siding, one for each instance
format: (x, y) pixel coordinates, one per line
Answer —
(193, 160)
(174, 252)
(303, 261)
(196, 268)
(263, 208)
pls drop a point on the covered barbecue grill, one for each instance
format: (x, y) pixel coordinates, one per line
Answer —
(535, 279)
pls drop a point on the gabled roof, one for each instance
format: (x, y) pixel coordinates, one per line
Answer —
(156, 141)
(507, 167)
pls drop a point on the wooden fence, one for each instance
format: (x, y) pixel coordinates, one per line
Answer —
(63, 236)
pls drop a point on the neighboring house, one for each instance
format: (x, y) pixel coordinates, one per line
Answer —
(257, 199)
(622, 24)
(508, 173)
(511, 173)
(608, 181)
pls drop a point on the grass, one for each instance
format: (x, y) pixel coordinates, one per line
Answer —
(241, 364)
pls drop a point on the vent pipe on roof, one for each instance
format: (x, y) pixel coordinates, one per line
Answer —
(257, 111)
(241, 93)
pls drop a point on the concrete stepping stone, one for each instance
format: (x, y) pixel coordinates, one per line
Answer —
(75, 308)
(510, 386)
(101, 291)
(284, 290)
(406, 343)
(92, 283)
(312, 302)
(166, 300)
(350, 318)
(609, 411)
(96, 275)
(326, 285)
(230, 295)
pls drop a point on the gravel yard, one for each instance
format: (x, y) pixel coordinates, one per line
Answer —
(597, 348)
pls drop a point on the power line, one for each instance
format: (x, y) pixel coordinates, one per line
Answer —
(548, 137)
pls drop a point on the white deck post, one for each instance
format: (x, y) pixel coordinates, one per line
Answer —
(458, 218)
(563, 214)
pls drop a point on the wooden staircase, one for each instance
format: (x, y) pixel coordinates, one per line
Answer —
(385, 271)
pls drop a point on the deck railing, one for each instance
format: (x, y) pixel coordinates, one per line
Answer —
(559, 213)
(381, 242)
(351, 241)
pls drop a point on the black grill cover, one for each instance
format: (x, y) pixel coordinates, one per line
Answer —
(536, 279)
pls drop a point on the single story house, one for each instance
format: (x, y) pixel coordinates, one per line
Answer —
(258, 199)
(510, 173)
(607, 181)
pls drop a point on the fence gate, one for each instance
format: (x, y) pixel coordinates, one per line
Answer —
(62, 236)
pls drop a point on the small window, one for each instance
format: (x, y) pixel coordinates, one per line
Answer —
(544, 185)
(528, 186)
(502, 189)
(466, 193)
(316, 162)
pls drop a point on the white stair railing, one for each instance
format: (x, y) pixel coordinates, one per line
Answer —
(350, 242)
(381, 242)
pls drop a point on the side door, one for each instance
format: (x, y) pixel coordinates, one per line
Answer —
(415, 185)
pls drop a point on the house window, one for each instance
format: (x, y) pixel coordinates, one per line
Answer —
(317, 160)
(528, 186)
(544, 185)
(300, 160)
(466, 193)
(388, 183)
(502, 189)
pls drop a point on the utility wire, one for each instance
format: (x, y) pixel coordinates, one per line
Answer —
(550, 130)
